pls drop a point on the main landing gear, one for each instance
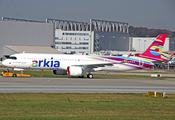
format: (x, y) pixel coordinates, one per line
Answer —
(89, 76)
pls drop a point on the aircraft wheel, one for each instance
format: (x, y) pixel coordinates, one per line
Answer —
(90, 76)
(14, 75)
(87, 75)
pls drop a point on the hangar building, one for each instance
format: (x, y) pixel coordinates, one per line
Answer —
(66, 36)
(77, 37)
(25, 33)
(70, 36)
(140, 44)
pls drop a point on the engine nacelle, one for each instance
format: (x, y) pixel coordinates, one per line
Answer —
(60, 72)
(75, 71)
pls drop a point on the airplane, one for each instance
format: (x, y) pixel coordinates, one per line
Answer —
(79, 65)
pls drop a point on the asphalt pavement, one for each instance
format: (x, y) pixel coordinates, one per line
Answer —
(86, 85)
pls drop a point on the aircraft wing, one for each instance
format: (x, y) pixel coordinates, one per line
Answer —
(104, 64)
(160, 61)
(95, 65)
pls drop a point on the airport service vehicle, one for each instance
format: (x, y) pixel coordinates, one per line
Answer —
(79, 65)
(6, 73)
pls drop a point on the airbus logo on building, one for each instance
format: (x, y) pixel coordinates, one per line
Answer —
(45, 63)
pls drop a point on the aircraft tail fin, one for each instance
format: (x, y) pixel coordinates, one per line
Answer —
(155, 49)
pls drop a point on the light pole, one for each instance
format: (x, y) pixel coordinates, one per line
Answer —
(139, 45)
(109, 44)
(144, 45)
(113, 37)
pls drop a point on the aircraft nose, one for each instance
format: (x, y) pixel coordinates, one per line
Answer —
(4, 62)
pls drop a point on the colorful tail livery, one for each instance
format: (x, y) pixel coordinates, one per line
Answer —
(155, 49)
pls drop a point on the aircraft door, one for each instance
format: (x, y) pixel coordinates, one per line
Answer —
(23, 58)
(76, 60)
(141, 63)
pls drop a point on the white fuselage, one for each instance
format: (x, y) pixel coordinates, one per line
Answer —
(60, 61)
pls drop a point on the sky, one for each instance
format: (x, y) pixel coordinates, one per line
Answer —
(157, 14)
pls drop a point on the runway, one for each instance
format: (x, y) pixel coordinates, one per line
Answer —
(85, 85)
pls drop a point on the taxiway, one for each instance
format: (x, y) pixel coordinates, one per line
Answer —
(85, 85)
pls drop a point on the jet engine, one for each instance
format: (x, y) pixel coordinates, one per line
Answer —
(75, 71)
(60, 72)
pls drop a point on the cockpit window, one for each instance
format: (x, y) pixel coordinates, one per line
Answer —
(11, 57)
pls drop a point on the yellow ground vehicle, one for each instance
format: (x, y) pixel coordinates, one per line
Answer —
(11, 74)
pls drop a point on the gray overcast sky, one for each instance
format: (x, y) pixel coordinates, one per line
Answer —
(158, 14)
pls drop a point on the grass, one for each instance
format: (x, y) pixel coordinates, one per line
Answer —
(49, 73)
(77, 106)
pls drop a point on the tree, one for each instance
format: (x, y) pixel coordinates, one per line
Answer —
(145, 32)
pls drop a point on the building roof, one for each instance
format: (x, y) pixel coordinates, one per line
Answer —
(33, 49)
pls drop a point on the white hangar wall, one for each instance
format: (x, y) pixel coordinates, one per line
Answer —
(25, 33)
(140, 44)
